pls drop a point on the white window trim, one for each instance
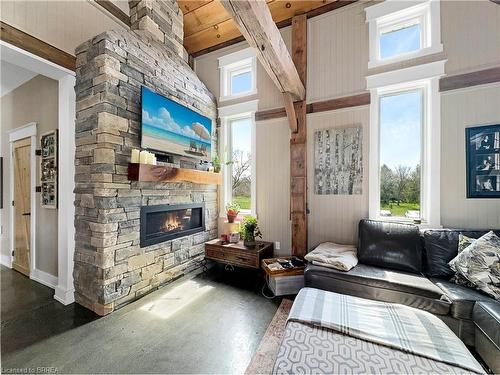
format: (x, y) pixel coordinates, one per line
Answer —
(233, 63)
(227, 114)
(383, 16)
(425, 77)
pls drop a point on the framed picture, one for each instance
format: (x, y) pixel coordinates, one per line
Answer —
(49, 170)
(483, 161)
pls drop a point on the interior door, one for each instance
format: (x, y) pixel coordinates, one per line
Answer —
(22, 205)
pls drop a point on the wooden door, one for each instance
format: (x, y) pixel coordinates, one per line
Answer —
(22, 205)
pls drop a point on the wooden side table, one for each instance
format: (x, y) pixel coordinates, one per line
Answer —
(236, 254)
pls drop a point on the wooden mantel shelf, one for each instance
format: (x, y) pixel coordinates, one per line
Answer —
(162, 173)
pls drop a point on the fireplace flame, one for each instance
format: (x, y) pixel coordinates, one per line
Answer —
(171, 223)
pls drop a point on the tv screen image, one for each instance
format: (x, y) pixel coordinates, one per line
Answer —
(170, 127)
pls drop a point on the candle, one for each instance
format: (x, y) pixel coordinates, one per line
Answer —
(143, 157)
(150, 158)
(154, 160)
(135, 156)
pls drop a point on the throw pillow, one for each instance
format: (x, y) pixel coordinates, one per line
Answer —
(463, 243)
(479, 263)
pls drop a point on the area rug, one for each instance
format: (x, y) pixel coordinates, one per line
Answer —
(263, 359)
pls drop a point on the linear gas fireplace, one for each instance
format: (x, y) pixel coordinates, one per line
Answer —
(166, 222)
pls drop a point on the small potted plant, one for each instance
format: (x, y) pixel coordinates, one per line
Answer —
(250, 230)
(232, 210)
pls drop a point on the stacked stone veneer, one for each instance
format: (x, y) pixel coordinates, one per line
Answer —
(110, 268)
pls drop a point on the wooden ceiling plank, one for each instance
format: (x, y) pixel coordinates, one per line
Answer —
(255, 23)
(225, 31)
(188, 6)
(211, 41)
(204, 17)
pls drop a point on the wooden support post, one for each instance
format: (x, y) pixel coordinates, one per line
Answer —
(298, 143)
(290, 112)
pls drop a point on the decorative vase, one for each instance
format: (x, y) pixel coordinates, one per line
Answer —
(231, 218)
(249, 242)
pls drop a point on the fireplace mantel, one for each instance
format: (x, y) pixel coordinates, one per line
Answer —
(162, 173)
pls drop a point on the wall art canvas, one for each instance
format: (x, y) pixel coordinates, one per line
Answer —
(338, 161)
(173, 128)
(483, 161)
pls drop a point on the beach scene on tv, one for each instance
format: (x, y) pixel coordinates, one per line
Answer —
(170, 127)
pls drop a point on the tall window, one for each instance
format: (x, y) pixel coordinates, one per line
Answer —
(240, 165)
(400, 153)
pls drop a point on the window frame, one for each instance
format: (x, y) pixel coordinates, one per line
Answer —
(228, 114)
(426, 78)
(393, 15)
(235, 63)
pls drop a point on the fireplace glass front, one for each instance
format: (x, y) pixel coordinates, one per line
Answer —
(165, 222)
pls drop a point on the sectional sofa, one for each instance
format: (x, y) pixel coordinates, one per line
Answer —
(400, 264)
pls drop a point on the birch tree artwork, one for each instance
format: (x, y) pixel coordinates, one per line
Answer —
(338, 161)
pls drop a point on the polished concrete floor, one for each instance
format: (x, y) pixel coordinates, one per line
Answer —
(208, 323)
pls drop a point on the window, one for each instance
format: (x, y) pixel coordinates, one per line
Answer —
(404, 169)
(400, 153)
(401, 30)
(237, 148)
(240, 130)
(403, 39)
(237, 74)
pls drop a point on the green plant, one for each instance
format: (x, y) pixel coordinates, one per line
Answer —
(218, 161)
(250, 228)
(233, 208)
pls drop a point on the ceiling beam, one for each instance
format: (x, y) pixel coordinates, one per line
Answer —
(256, 24)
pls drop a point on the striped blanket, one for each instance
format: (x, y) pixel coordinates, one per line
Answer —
(396, 326)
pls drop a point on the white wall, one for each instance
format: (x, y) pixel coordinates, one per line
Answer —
(460, 109)
(34, 101)
(63, 24)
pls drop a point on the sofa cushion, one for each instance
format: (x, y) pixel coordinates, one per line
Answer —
(380, 284)
(390, 245)
(486, 317)
(462, 298)
(441, 246)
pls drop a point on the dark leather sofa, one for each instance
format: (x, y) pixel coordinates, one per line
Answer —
(399, 264)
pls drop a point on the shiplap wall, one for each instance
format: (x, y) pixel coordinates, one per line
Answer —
(470, 31)
(337, 58)
(461, 109)
(63, 24)
(273, 182)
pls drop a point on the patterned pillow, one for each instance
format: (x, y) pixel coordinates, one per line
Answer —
(463, 243)
(479, 263)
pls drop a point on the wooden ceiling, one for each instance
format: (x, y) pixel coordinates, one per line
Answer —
(207, 24)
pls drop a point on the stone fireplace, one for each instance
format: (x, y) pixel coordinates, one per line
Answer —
(165, 222)
(117, 258)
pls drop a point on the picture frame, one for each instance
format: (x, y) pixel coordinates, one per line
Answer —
(49, 170)
(483, 161)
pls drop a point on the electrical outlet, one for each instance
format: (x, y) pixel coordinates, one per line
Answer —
(277, 245)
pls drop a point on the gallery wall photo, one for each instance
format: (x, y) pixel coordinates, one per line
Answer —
(338, 161)
(483, 161)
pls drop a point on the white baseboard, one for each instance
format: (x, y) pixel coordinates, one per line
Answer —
(64, 296)
(44, 278)
(6, 260)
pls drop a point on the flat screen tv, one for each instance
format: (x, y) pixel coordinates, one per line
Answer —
(172, 128)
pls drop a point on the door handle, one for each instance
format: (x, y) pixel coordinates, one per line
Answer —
(27, 214)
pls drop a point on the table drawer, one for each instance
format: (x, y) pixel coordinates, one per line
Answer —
(227, 255)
